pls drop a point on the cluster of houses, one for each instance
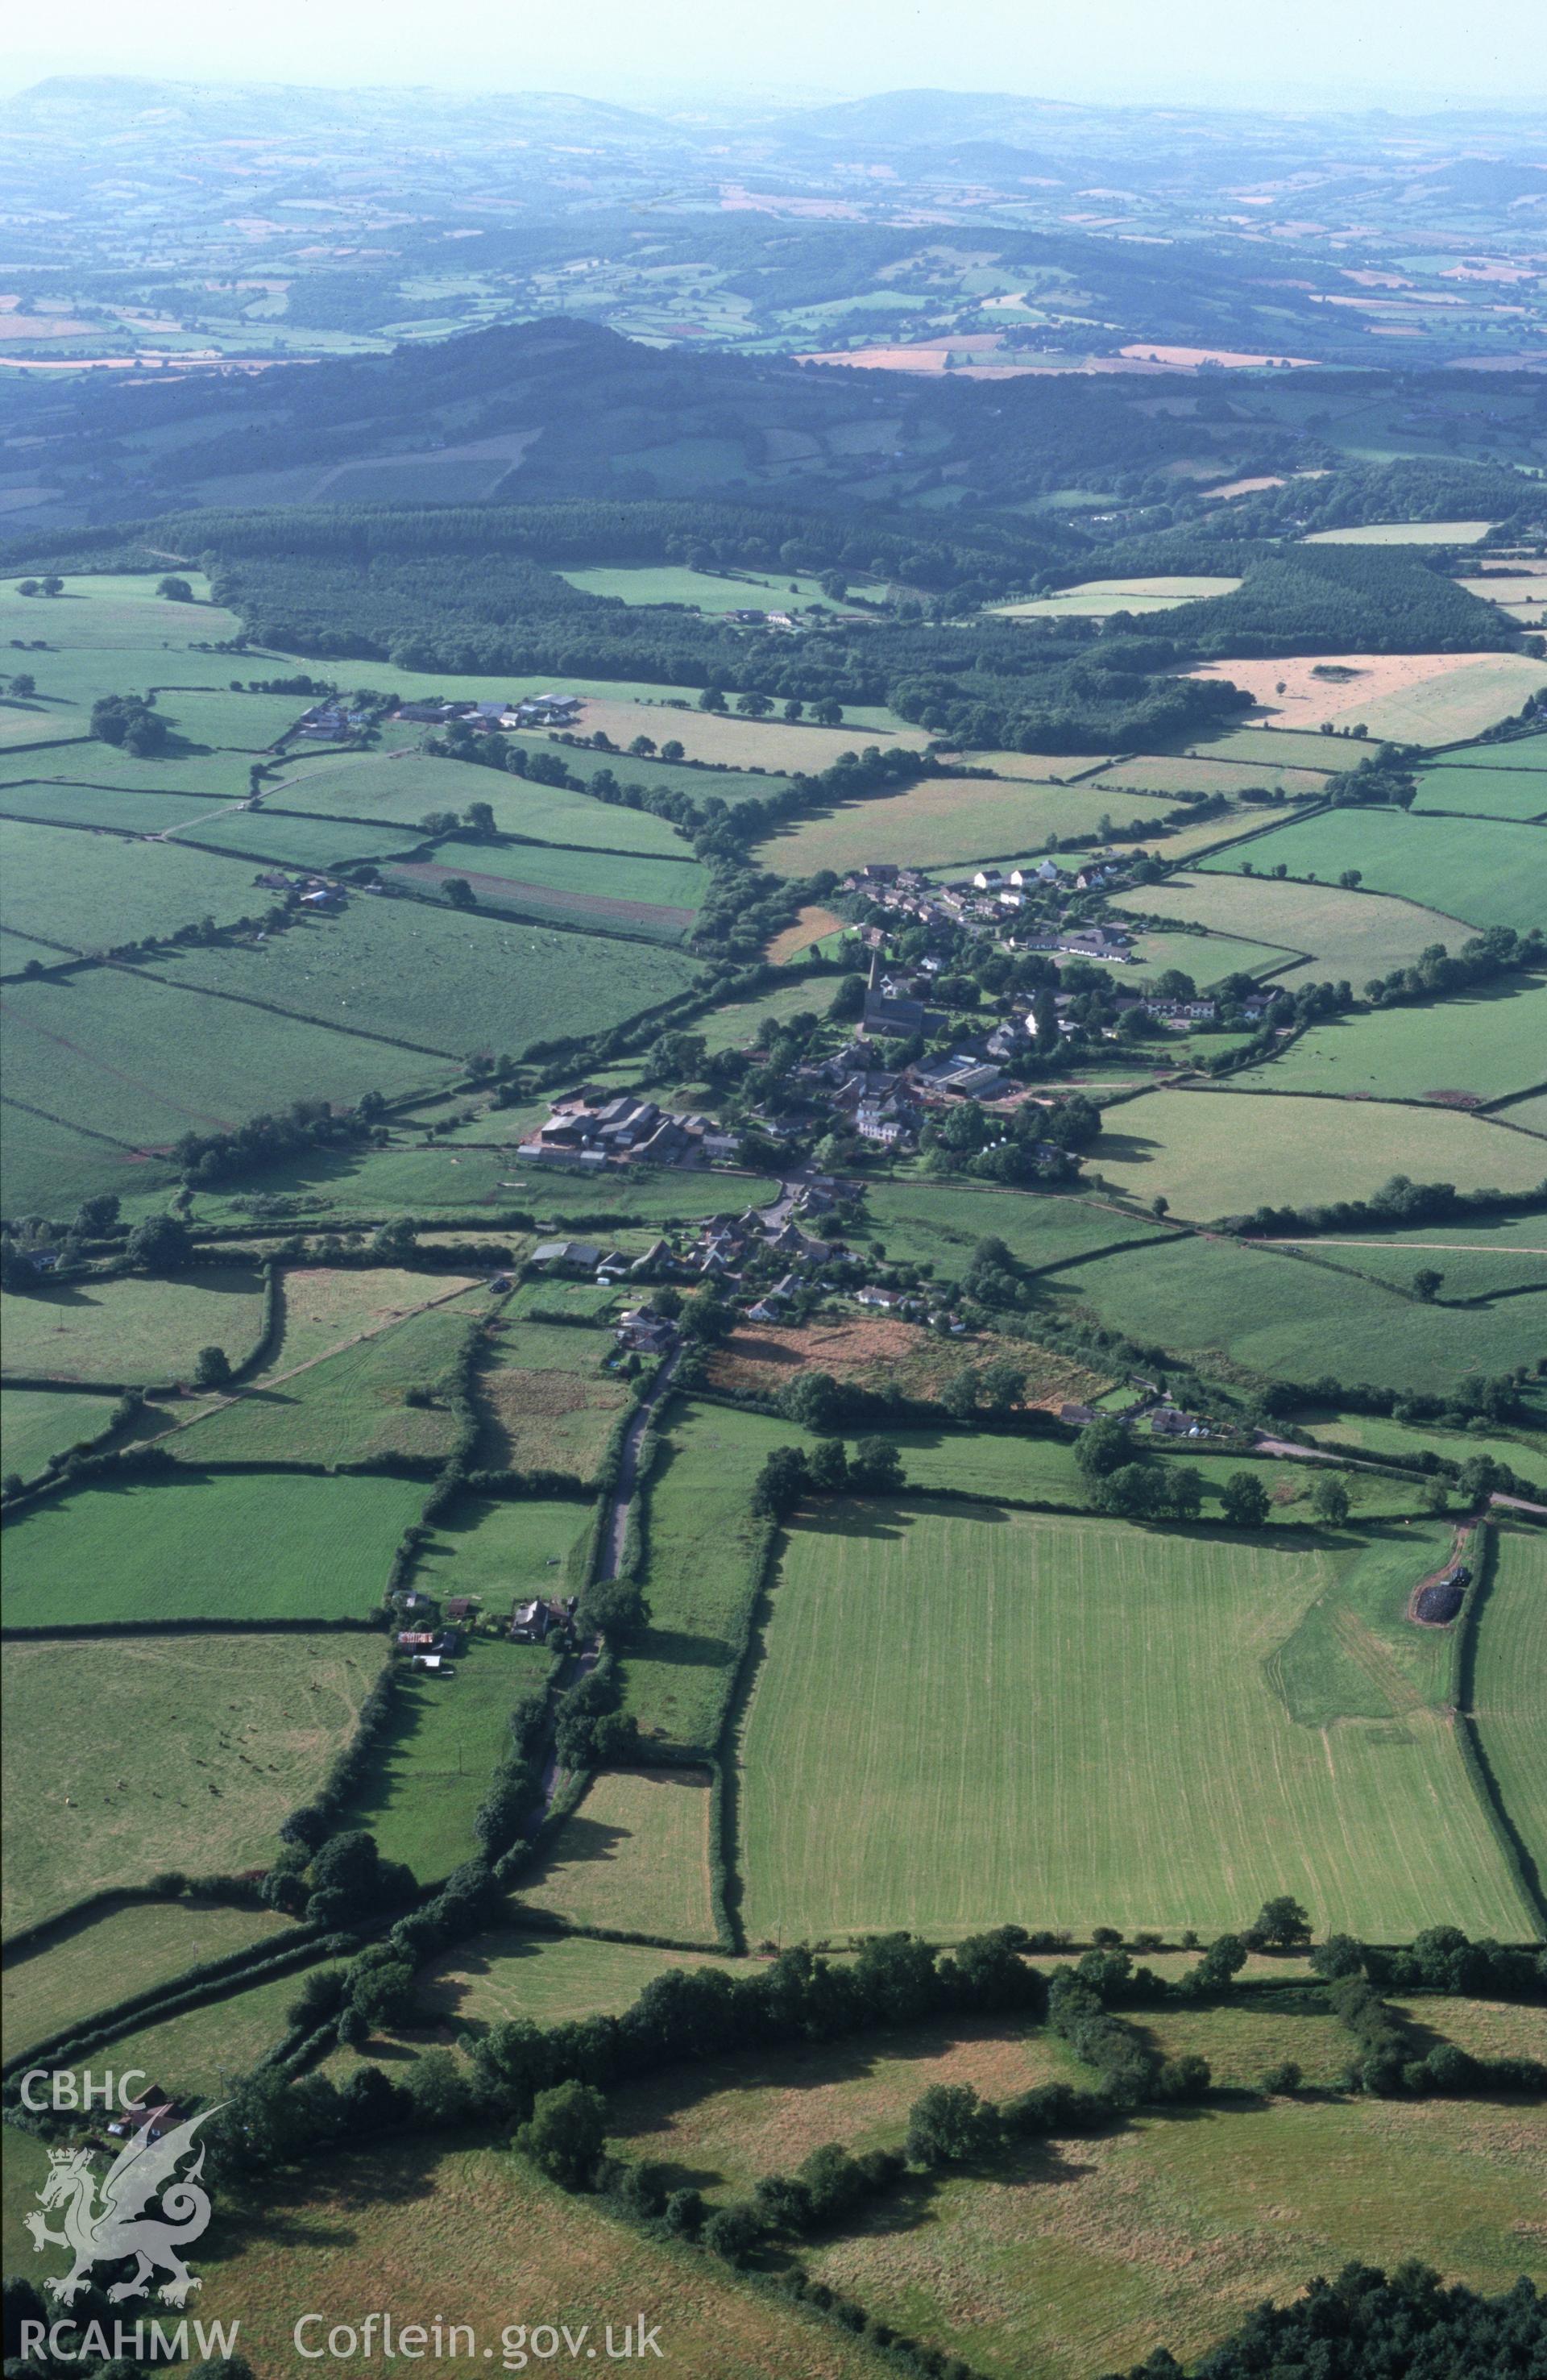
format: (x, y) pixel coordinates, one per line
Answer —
(331, 722)
(1159, 1415)
(432, 1648)
(309, 892)
(528, 711)
(585, 1137)
(991, 896)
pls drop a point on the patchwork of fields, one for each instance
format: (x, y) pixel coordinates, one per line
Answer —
(1012, 1689)
(948, 821)
(1475, 1050)
(1345, 935)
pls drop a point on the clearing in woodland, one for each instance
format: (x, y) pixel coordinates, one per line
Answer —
(260, 1720)
(1068, 1721)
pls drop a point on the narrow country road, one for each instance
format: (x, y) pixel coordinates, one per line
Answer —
(611, 1554)
(616, 1528)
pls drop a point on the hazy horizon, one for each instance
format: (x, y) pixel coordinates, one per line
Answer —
(1319, 56)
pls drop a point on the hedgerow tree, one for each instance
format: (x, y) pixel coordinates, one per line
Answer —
(564, 2136)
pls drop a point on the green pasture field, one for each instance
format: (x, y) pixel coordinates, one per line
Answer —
(940, 1223)
(367, 785)
(1484, 793)
(1525, 1454)
(1491, 871)
(340, 1187)
(702, 590)
(34, 1425)
(549, 1980)
(633, 1857)
(127, 1950)
(1485, 1044)
(990, 1463)
(1194, 773)
(206, 2048)
(947, 821)
(1273, 1316)
(442, 980)
(1081, 603)
(93, 892)
(1520, 752)
(734, 1027)
(248, 1545)
(1147, 1687)
(504, 1551)
(24, 721)
(700, 1534)
(724, 739)
(1509, 1681)
(1446, 532)
(1167, 2233)
(47, 1166)
(131, 1329)
(213, 776)
(325, 1309)
(1208, 959)
(114, 807)
(298, 842)
(344, 1407)
(231, 723)
(1209, 1158)
(598, 890)
(1475, 1271)
(547, 1404)
(1287, 746)
(258, 1721)
(386, 2226)
(749, 778)
(654, 1198)
(93, 1051)
(116, 607)
(1343, 935)
(1527, 1115)
(433, 1765)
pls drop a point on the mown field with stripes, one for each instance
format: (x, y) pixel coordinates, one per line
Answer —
(967, 1715)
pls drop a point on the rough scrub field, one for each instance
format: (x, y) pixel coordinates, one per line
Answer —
(260, 1720)
(1067, 1721)
(765, 1357)
(549, 1405)
(254, 1546)
(633, 1857)
(1489, 871)
(550, 1979)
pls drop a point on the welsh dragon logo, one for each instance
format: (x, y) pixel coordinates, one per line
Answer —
(120, 2226)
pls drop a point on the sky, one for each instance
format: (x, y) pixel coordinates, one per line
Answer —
(1398, 54)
